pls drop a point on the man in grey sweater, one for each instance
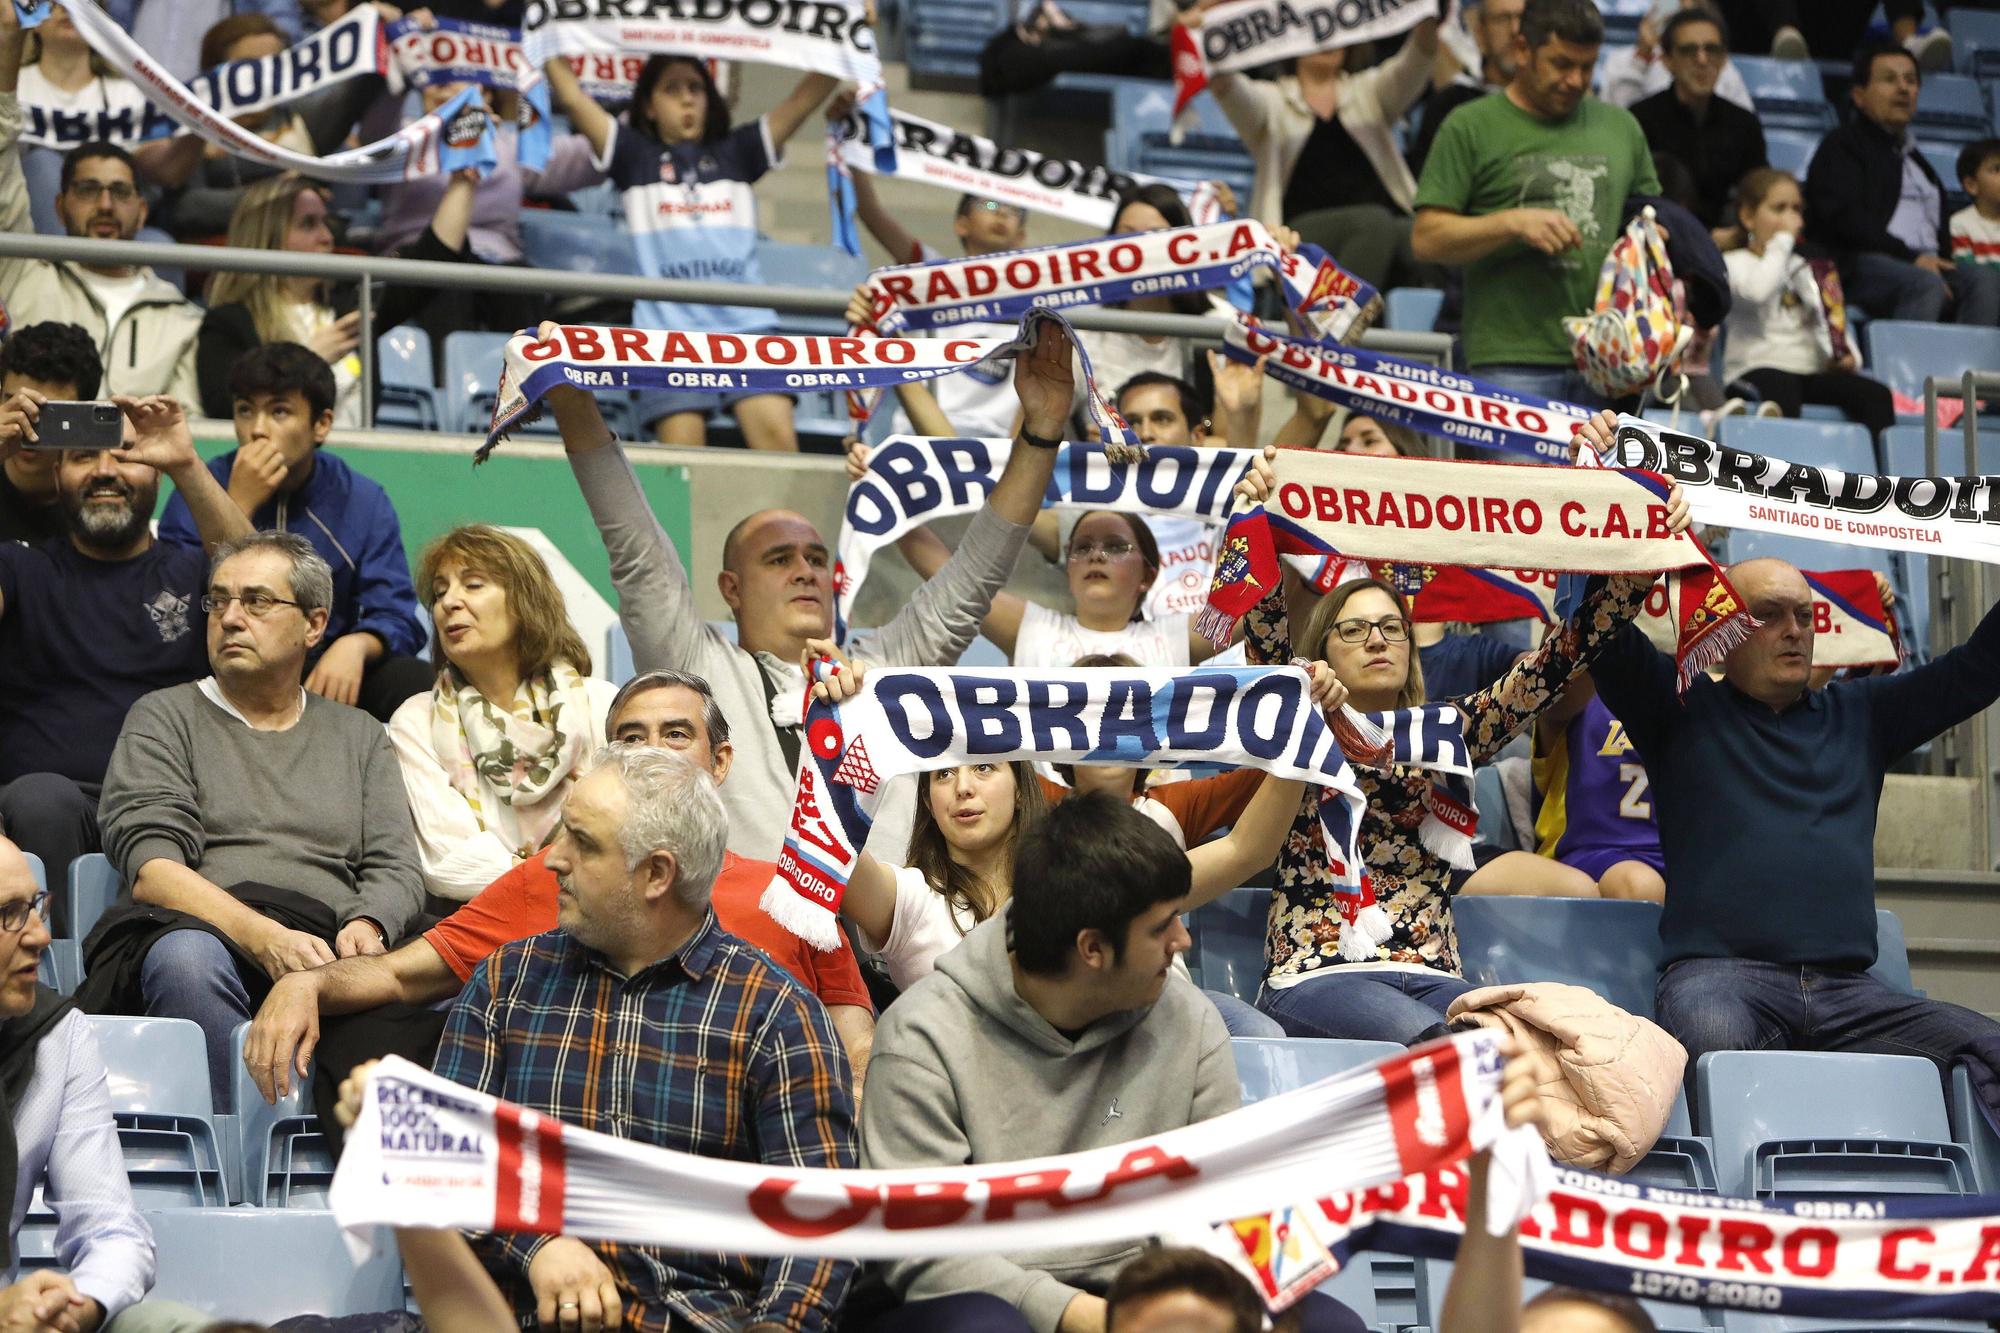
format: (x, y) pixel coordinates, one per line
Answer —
(1056, 1027)
(222, 791)
(777, 577)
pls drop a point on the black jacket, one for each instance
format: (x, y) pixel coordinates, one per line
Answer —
(118, 944)
(1718, 150)
(1853, 187)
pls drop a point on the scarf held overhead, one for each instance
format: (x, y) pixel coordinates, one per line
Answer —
(1949, 516)
(1244, 34)
(907, 721)
(1480, 515)
(1426, 398)
(612, 360)
(455, 136)
(1328, 300)
(427, 1152)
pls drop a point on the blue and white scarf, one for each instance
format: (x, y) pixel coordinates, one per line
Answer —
(1432, 737)
(1444, 403)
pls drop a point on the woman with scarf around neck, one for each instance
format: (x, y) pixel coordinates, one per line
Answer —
(1362, 629)
(489, 754)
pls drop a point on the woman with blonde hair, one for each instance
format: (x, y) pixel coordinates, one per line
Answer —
(289, 212)
(489, 754)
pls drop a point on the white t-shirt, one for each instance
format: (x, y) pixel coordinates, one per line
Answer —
(116, 295)
(1117, 357)
(1048, 639)
(102, 93)
(1187, 565)
(979, 399)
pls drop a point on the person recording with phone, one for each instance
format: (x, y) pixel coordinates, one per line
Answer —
(61, 361)
(94, 618)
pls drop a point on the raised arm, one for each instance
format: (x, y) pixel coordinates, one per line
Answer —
(901, 243)
(592, 121)
(161, 439)
(1251, 843)
(784, 119)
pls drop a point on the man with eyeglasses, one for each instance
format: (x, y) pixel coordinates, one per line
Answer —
(1766, 790)
(94, 619)
(262, 829)
(1718, 141)
(145, 330)
(1492, 24)
(1630, 74)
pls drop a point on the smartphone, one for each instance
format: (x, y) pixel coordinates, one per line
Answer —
(64, 425)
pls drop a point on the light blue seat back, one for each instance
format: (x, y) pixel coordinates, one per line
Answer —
(1892, 955)
(1791, 150)
(1789, 94)
(62, 965)
(156, 1080)
(1975, 41)
(1612, 948)
(1951, 107)
(407, 397)
(1901, 352)
(1267, 1066)
(94, 885)
(1838, 444)
(1228, 949)
(1412, 309)
(471, 377)
(269, 1264)
(827, 267)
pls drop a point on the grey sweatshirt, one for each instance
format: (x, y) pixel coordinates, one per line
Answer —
(657, 605)
(965, 1072)
(318, 809)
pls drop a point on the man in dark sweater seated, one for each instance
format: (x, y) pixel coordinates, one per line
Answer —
(1766, 793)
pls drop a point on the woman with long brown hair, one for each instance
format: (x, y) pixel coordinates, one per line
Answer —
(489, 754)
(1362, 629)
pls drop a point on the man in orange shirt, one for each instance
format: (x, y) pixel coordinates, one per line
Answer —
(668, 709)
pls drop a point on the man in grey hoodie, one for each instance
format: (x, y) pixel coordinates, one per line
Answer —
(1056, 1027)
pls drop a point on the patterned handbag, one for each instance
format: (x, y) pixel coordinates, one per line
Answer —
(1640, 324)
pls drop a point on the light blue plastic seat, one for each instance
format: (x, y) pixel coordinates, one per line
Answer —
(618, 666)
(1228, 949)
(1975, 41)
(157, 1084)
(1943, 157)
(269, 1264)
(1837, 444)
(982, 652)
(285, 1159)
(1140, 139)
(1612, 948)
(1412, 309)
(1970, 1126)
(93, 886)
(945, 37)
(1267, 1066)
(578, 243)
(1818, 1123)
(1789, 94)
(62, 965)
(828, 267)
(1791, 150)
(1901, 352)
(1489, 798)
(1892, 955)
(472, 362)
(38, 870)
(1679, 1159)
(407, 397)
(1951, 107)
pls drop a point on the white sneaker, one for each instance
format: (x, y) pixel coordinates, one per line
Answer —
(1769, 409)
(1731, 406)
(1789, 44)
(1932, 50)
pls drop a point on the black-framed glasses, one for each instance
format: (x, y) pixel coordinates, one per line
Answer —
(1393, 629)
(1706, 50)
(257, 604)
(1109, 550)
(14, 915)
(121, 192)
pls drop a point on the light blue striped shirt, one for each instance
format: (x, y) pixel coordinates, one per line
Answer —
(69, 1146)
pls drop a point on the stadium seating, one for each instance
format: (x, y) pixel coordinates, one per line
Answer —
(1975, 41)
(1902, 352)
(1267, 1066)
(1943, 158)
(471, 381)
(1227, 953)
(1788, 93)
(824, 266)
(1804, 1123)
(578, 242)
(1139, 139)
(1412, 309)
(38, 870)
(1951, 108)
(158, 1089)
(62, 965)
(94, 885)
(1679, 1159)
(267, 1265)
(1791, 150)
(407, 399)
(1612, 948)
(286, 1162)
(1836, 444)
(946, 37)
(1892, 955)
(1970, 1126)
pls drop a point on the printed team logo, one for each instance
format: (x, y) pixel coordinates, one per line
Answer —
(466, 128)
(1284, 1257)
(855, 770)
(170, 615)
(1331, 285)
(1232, 566)
(668, 173)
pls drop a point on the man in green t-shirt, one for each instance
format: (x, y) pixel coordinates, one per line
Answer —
(1524, 187)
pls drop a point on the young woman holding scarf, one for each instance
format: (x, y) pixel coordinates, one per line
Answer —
(1362, 629)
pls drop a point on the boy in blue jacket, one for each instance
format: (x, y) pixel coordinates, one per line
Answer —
(283, 397)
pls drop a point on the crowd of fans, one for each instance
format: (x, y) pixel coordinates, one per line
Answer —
(372, 813)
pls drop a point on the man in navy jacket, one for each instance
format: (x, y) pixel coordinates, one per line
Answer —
(283, 396)
(1873, 200)
(1766, 792)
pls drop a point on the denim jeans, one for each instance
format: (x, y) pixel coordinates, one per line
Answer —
(191, 974)
(1737, 1004)
(1890, 288)
(1403, 1007)
(1240, 1019)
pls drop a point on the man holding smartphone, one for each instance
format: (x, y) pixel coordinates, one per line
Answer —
(58, 360)
(95, 618)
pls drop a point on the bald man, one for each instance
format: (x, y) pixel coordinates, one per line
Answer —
(777, 578)
(1766, 792)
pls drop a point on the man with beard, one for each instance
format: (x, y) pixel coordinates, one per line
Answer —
(93, 619)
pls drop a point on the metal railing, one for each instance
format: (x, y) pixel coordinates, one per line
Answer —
(365, 271)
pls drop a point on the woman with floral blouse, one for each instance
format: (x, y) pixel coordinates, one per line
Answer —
(1362, 629)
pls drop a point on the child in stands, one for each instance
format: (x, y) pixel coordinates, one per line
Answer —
(686, 174)
(1975, 229)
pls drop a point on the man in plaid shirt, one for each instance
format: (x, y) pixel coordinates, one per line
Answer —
(640, 1017)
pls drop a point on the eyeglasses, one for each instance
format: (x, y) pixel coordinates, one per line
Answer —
(14, 915)
(1393, 629)
(89, 190)
(257, 604)
(1705, 50)
(1109, 550)
(995, 206)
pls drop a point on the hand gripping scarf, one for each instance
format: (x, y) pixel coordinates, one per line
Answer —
(1328, 301)
(454, 136)
(906, 721)
(1244, 34)
(1438, 402)
(1428, 736)
(1852, 626)
(1480, 515)
(428, 1152)
(1948, 516)
(612, 360)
